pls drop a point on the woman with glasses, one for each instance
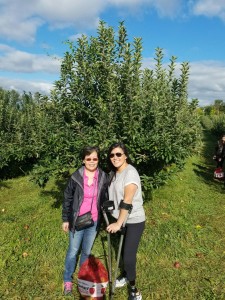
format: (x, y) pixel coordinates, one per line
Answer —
(85, 192)
(125, 185)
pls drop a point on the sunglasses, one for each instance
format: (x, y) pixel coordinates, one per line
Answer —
(118, 154)
(90, 159)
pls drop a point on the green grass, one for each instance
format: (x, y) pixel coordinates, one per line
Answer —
(185, 223)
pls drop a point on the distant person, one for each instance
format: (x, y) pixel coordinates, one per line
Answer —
(219, 154)
(86, 190)
(125, 191)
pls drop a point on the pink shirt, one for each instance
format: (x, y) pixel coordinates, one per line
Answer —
(89, 190)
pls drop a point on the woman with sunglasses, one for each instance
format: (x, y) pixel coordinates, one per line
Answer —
(85, 192)
(125, 185)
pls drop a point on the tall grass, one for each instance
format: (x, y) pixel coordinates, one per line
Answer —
(185, 224)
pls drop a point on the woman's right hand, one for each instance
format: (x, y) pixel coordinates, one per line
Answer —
(113, 228)
(65, 226)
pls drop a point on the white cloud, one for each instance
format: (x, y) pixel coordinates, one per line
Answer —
(21, 85)
(74, 37)
(20, 19)
(18, 30)
(82, 14)
(206, 79)
(13, 60)
(168, 8)
(161, 5)
(210, 8)
(164, 8)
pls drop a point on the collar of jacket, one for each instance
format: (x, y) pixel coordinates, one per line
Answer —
(77, 176)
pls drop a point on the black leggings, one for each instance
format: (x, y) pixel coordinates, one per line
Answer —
(220, 163)
(131, 241)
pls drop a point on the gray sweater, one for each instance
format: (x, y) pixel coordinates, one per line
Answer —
(116, 193)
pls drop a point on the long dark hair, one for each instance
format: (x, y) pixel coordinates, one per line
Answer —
(125, 151)
(220, 142)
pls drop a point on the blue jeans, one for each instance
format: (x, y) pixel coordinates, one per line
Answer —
(84, 238)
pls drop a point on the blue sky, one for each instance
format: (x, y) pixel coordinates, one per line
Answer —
(32, 36)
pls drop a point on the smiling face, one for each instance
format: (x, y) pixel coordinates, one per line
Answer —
(118, 159)
(91, 161)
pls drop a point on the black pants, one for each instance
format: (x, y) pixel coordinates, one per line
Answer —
(220, 163)
(130, 246)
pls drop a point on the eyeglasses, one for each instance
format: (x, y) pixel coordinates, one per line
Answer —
(118, 154)
(90, 159)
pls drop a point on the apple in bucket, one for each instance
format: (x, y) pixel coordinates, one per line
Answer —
(92, 279)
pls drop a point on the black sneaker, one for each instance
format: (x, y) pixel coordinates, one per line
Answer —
(135, 295)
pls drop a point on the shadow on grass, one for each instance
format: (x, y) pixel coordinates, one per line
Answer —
(57, 192)
(4, 185)
(16, 169)
(205, 171)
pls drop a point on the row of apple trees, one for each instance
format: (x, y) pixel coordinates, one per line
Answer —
(23, 127)
(213, 117)
(103, 95)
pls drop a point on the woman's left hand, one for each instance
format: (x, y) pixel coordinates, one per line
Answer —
(113, 228)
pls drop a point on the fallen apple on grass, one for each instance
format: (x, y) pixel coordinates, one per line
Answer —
(176, 265)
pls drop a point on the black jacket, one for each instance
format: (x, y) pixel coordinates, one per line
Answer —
(219, 150)
(73, 196)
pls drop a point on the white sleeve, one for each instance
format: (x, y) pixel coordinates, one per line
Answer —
(132, 176)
